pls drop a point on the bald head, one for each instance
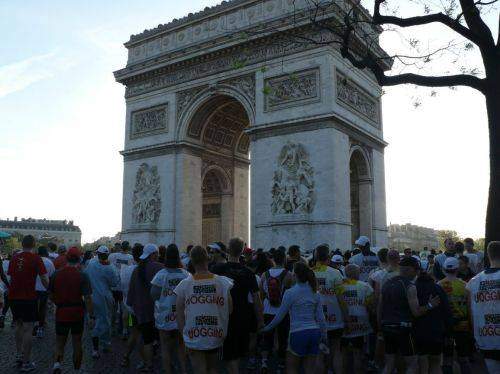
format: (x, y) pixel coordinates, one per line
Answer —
(352, 271)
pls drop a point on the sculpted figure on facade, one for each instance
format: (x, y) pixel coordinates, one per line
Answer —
(293, 182)
(146, 200)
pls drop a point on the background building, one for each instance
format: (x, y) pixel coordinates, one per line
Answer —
(412, 236)
(58, 231)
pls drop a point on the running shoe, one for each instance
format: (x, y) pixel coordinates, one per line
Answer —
(95, 354)
(27, 367)
(56, 369)
(39, 332)
(263, 366)
(19, 361)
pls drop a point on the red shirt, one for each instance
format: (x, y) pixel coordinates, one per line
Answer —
(68, 286)
(60, 261)
(23, 270)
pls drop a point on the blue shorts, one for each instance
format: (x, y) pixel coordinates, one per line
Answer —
(304, 342)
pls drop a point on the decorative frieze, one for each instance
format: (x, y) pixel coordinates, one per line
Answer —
(146, 201)
(224, 61)
(293, 89)
(186, 98)
(352, 96)
(293, 183)
(245, 84)
(149, 121)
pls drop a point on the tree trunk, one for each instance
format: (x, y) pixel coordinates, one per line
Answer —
(493, 109)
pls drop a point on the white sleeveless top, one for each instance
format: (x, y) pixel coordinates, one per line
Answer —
(484, 291)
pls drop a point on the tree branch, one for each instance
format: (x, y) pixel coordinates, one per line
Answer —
(472, 17)
(369, 61)
(427, 19)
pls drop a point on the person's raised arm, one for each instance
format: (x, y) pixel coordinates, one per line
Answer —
(416, 309)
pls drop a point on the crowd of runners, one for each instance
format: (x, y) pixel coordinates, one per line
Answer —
(203, 308)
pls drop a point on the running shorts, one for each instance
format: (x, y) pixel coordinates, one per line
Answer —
(399, 341)
(24, 310)
(64, 328)
(304, 342)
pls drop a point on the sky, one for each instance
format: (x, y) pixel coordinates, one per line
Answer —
(63, 115)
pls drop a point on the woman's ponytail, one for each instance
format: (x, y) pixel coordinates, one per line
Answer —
(305, 274)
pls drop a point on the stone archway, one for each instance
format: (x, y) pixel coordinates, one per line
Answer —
(217, 127)
(360, 194)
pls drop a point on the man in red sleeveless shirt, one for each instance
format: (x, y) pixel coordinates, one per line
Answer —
(24, 268)
(71, 293)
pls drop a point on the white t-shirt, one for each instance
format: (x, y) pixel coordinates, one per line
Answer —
(473, 261)
(206, 311)
(356, 295)
(484, 291)
(125, 275)
(119, 259)
(53, 255)
(165, 313)
(366, 264)
(49, 266)
(329, 279)
(268, 308)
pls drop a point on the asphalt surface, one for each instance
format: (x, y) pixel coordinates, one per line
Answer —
(108, 363)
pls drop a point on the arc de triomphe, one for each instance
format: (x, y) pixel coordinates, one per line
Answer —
(212, 108)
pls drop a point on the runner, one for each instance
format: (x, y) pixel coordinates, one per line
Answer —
(103, 278)
(216, 254)
(273, 284)
(236, 344)
(294, 256)
(162, 291)
(24, 267)
(119, 258)
(397, 307)
(465, 273)
(441, 258)
(356, 297)
(476, 258)
(460, 338)
(366, 259)
(484, 307)
(203, 306)
(52, 251)
(139, 299)
(338, 264)
(134, 337)
(41, 291)
(307, 321)
(71, 293)
(431, 328)
(60, 261)
(329, 280)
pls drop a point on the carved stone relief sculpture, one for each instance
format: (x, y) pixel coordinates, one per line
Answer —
(293, 182)
(354, 97)
(149, 121)
(146, 201)
(297, 88)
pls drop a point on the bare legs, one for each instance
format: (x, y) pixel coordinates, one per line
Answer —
(172, 340)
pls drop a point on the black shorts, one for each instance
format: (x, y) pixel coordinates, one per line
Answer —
(64, 328)
(24, 310)
(148, 332)
(42, 296)
(399, 341)
(357, 342)
(236, 344)
(117, 296)
(493, 354)
(462, 342)
(429, 347)
(334, 334)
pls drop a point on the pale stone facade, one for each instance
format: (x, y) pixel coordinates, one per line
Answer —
(59, 231)
(412, 236)
(210, 111)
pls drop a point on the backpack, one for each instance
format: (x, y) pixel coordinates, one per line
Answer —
(275, 287)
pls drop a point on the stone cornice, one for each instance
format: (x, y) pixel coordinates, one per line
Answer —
(315, 123)
(177, 147)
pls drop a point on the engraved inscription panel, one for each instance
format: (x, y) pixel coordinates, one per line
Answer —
(149, 121)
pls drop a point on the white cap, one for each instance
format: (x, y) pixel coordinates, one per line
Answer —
(214, 246)
(103, 249)
(148, 250)
(451, 263)
(337, 259)
(362, 241)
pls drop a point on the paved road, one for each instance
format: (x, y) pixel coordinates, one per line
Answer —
(108, 363)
